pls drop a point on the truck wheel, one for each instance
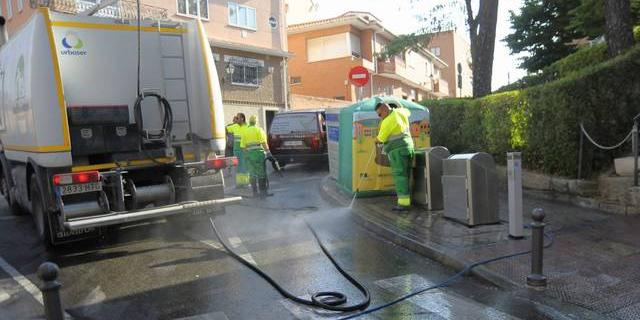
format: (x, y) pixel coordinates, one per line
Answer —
(40, 215)
(15, 208)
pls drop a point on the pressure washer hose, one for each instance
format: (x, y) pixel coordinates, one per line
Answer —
(448, 281)
(328, 300)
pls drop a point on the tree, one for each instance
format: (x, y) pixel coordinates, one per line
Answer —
(482, 35)
(541, 29)
(588, 18)
(619, 28)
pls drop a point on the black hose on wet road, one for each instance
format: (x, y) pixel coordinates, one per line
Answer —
(328, 300)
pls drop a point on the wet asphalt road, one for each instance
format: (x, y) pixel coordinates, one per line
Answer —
(164, 270)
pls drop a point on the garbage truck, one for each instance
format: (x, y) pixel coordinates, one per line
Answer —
(106, 121)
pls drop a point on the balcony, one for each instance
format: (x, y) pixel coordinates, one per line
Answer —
(440, 88)
(386, 67)
(120, 9)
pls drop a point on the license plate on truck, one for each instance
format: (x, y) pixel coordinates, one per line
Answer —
(80, 188)
(203, 211)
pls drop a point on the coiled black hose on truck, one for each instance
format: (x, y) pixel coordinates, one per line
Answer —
(167, 117)
(328, 300)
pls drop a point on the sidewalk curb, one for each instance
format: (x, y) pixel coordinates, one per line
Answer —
(556, 309)
(430, 250)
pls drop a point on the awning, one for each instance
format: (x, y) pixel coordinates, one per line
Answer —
(248, 48)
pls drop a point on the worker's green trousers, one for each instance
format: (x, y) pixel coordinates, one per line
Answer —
(400, 160)
(242, 177)
(255, 162)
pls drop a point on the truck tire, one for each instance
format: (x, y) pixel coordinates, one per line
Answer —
(15, 208)
(40, 215)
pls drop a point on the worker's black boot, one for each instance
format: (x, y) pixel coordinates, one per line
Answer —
(264, 187)
(254, 187)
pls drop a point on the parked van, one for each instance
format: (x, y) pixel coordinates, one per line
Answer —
(299, 136)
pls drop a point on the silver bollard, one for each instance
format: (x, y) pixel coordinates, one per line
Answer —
(536, 278)
(514, 179)
(48, 273)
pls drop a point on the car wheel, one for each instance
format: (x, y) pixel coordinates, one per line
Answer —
(40, 215)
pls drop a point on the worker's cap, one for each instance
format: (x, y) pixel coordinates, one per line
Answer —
(253, 119)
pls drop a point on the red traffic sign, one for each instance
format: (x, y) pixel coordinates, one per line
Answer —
(359, 76)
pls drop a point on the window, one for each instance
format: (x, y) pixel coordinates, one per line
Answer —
(242, 16)
(296, 80)
(429, 69)
(329, 47)
(20, 5)
(245, 71)
(294, 123)
(355, 45)
(9, 10)
(436, 51)
(194, 8)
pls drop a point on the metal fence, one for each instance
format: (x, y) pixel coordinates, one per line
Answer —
(633, 136)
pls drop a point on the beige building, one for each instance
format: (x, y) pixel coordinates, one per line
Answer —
(248, 39)
(456, 52)
(325, 50)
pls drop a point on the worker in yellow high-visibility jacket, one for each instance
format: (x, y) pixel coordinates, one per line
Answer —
(395, 134)
(255, 147)
(239, 125)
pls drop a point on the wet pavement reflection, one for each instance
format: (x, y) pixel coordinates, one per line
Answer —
(168, 270)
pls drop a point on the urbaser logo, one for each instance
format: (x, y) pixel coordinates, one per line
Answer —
(72, 45)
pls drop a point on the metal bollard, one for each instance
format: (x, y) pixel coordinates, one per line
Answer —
(536, 278)
(48, 273)
(634, 147)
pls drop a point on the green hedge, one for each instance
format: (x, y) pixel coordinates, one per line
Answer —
(582, 58)
(542, 121)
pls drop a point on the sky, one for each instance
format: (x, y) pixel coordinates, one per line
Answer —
(399, 16)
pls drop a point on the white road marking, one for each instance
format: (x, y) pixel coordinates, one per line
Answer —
(21, 280)
(4, 296)
(236, 242)
(25, 283)
(441, 302)
(275, 254)
(207, 316)
(8, 218)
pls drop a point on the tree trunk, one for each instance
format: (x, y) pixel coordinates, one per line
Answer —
(618, 27)
(482, 33)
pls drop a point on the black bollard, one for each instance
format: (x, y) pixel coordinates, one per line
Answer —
(48, 273)
(536, 278)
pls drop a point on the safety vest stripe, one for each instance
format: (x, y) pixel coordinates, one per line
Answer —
(398, 136)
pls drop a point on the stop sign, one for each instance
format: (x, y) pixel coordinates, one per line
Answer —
(359, 76)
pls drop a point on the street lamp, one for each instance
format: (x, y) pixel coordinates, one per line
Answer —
(229, 69)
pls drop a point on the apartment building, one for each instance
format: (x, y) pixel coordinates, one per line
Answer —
(454, 49)
(248, 39)
(325, 50)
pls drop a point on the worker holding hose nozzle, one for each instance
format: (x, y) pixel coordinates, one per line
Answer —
(239, 124)
(254, 144)
(395, 134)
